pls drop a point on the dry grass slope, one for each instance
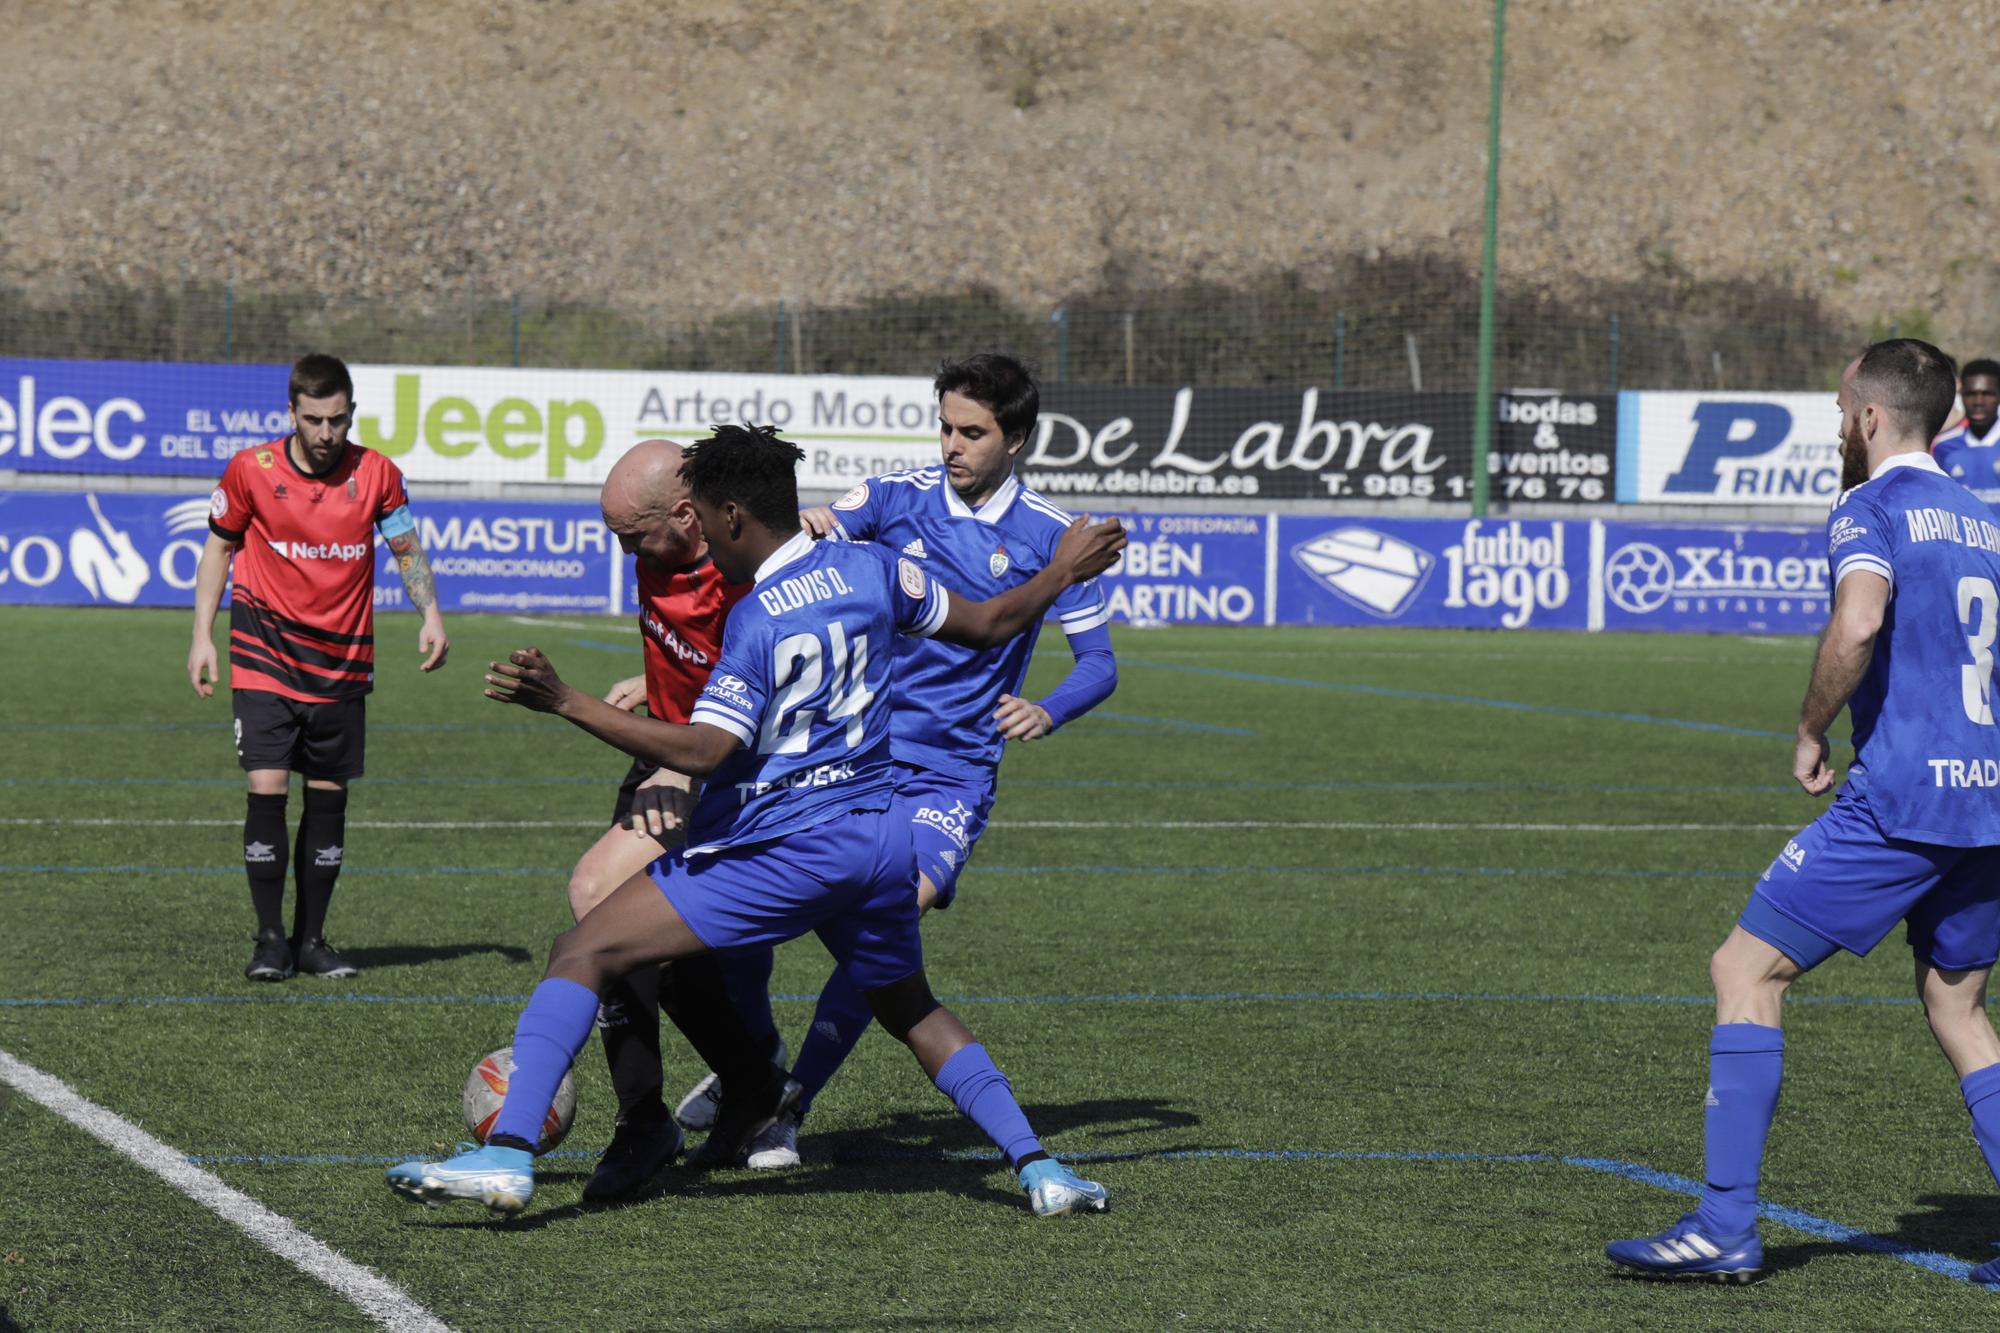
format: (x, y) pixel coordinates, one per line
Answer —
(715, 152)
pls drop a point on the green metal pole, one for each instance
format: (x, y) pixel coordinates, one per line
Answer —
(1482, 405)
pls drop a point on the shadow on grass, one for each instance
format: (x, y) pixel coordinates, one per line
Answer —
(907, 1153)
(1960, 1226)
(417, 956)
(1965, 1226)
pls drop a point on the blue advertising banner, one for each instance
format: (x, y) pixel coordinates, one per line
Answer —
(123, 549)
(1738, 580)
(1190, 569)
(128, 417)
(1474, 573)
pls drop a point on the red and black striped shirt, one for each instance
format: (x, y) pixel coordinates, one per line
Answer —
(302, 613)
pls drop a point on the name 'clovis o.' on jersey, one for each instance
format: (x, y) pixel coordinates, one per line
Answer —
(804, 685)
(1927, 746)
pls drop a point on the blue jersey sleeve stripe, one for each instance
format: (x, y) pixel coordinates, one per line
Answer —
(716, 717)
(933, 620)
(1089, 621)
(711, 701)
(1861, 561)
(1044, 508)
(1092, 602)
(728, 710)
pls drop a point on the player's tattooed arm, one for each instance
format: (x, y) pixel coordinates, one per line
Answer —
(1846, 647)
(415, 567)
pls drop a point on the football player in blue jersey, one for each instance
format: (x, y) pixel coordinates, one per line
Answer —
(1914, 834)
(1970, 454)
(796, 829)
(970, 521)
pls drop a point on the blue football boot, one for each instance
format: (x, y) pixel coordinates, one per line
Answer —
(1988, 1273)
(501, 1178)
(1054, 1189)
(1683, 1250)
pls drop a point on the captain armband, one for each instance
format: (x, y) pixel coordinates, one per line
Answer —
(398, 522)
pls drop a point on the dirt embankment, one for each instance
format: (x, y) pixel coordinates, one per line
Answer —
(705, 154)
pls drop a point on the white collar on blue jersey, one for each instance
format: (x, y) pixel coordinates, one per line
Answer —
(792, 550)
(1916, 458)
(996, 503)
(1986, 441)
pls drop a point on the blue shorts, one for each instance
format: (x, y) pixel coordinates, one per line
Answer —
(851, 880)
(947, 815)
(1843, 884)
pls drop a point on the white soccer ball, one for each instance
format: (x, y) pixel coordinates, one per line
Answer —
(486, 1089)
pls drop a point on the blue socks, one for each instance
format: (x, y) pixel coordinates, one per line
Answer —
(552, 1029)
(838, 1022)
(1982, 1098)
(1746, 1062)
(983, 1093)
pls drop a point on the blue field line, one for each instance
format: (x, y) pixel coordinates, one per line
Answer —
(1944, 1265)
(1596, 788)
(1104, 997)
(1095, 784)
(1127, 719)
(224, 726)
(1238, 871)
(1168, 723)
(1479, 701)
(466, 780)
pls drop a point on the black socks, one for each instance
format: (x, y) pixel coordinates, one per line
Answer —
(628, 1019)
(316, 859)
(264, 859)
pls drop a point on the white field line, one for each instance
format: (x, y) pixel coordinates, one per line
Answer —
(380, 1299)
(1335, 825)
(543, 622)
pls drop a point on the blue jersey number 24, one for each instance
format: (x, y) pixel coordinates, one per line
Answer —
(802, 660)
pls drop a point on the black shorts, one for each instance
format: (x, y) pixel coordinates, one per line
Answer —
(628, 790)
(316, 740)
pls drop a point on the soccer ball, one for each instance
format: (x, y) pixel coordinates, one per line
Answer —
(486, 1088)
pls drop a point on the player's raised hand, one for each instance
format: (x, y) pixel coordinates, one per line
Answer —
(431, 640)
(1087, 547)
(628, 693)
(818, 520)
(1809, 765)
(1022, 719)
(202, 673)
(526, 678)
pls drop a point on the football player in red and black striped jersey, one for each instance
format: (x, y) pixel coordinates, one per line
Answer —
(298, 517)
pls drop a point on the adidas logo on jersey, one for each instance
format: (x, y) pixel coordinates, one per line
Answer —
(916, 548)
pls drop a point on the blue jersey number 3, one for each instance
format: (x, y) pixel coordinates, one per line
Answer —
(1979, 614)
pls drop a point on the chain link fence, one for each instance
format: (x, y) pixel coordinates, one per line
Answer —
(1412, 328)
